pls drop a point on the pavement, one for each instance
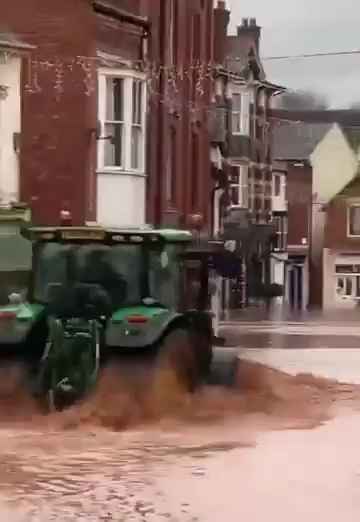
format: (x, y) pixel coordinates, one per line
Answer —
(324, 347)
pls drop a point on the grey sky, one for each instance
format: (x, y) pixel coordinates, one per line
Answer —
(305, 26)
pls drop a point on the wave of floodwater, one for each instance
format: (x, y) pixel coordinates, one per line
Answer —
(123, 400)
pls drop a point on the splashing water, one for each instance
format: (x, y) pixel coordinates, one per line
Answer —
(126, 397)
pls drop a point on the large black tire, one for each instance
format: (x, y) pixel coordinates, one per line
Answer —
(177, 354)
(224, 367)
(202, 343)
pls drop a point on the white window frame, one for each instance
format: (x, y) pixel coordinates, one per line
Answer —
(347, 296)
(356, 205)
(243, 187)
(243, 114)
(128, 76)
(283, 233)
(353, 276)
(282, 184)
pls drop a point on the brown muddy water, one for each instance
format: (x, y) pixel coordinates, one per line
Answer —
(276, 446)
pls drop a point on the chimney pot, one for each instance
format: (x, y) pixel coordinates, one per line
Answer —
(253, 22)
(244, 22)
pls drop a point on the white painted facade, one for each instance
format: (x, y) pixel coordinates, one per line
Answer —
(10, 125)
(120, 200)
(334, 164)
(121, 176)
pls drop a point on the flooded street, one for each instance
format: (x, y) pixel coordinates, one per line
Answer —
(283, 445)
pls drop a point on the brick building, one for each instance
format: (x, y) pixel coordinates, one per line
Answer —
(181, 47)
(77, 153)
(242, 152)
(341, 255)
(114, 120)
(319, 154)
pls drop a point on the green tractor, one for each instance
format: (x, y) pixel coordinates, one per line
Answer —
(96, 293)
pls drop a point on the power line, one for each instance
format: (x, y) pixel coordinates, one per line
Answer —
(311, 55)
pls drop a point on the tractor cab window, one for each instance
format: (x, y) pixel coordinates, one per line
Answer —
(164, 276)
(117, 269)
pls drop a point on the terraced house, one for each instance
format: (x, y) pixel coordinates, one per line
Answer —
(319, 155)
(245, 205)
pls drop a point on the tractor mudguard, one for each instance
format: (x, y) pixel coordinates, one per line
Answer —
(17, 321)
(138, 327)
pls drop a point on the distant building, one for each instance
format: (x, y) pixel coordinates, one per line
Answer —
(319, 158)
(246, 208)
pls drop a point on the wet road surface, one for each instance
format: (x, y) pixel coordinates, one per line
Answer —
(279, 447)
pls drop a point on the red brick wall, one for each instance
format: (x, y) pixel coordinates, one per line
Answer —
(299, 194)
(58, 156)
(118, 38)
(56, 116)
(336, 227)
(132, 6)
(181, 114)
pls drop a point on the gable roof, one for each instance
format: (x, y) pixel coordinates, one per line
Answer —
(350, 190)
(297, 140)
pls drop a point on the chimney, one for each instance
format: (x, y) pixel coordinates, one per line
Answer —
(221, 22)
(249, 30)
(244, 23)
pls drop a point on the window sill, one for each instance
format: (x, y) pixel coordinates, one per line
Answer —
(121, 172)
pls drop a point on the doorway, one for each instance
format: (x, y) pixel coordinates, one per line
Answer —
(296, 287)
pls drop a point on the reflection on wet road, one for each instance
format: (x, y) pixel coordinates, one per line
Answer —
(278, 447)
(99, 476)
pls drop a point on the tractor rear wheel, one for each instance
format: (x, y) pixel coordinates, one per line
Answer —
(177, 359)
(202, 342)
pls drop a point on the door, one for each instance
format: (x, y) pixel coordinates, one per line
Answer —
(296, 286)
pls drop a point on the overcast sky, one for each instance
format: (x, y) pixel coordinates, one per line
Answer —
(306, 26)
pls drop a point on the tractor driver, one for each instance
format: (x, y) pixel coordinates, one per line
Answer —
(98, 270)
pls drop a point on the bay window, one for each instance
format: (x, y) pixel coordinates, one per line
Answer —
(240, 122)
(239, 187)
(236, 113)
(121, 115)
